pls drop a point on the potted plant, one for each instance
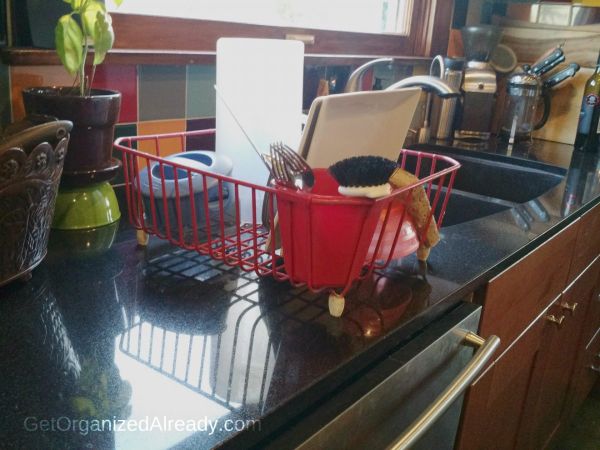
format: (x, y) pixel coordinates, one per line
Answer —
(94, 112)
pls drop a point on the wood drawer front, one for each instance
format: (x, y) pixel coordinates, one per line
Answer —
(584, 292)
(516, 296)
(588, 242)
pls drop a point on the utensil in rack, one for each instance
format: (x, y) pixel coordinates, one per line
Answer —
(264, 158)
(289, 168)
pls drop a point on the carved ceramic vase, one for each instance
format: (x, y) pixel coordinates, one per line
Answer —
(31, 164)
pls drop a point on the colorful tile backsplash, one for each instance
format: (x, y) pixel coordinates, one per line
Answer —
(156, 98)
(155, 92)
(149, 92)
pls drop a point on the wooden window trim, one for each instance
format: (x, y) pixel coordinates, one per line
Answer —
(166, 40)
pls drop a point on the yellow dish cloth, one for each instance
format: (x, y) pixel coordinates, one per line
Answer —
(419, 210)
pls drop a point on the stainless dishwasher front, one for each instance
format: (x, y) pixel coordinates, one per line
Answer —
(414, 397)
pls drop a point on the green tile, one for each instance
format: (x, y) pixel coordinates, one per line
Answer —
(200, 91)
(161, 92)
(5, 114)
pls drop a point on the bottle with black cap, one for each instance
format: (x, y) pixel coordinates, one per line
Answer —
(587, 129)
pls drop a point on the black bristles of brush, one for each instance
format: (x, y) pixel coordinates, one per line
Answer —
(361, 171)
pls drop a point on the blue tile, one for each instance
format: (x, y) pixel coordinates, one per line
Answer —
(201, 96)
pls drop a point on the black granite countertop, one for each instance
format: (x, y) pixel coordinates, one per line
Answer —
(160, 347)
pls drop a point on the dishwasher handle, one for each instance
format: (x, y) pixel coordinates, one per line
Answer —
(487, 347)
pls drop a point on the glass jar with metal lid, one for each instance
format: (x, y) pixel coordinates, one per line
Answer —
(523, 94)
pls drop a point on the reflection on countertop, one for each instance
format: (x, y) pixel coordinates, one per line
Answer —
(140, 334)
(163, 334)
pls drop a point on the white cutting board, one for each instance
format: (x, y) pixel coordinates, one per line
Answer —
(261, 81)
(357, 124)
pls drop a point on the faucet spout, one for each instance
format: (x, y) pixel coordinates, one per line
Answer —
(427, 83)
(355, 78)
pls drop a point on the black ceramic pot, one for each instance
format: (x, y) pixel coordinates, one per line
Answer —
(89, 159)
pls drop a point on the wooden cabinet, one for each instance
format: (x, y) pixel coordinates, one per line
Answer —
(516, 297)
(544, 410)
(584, 376)
(546, 311)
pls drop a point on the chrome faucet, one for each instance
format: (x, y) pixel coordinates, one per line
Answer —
(355, 78)
(428, 83)
(431, 84)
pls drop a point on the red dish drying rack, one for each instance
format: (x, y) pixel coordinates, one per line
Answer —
(328, 241)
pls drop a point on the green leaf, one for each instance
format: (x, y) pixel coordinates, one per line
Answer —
(84, 406)
(118, 2)
(75, 4)
(88, 16)
(69, 40)
(103, 36)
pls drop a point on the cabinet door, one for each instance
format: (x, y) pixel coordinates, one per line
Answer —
(588, 356)
(512, 308)
(547, 396)
(517, 296)
(495, 401)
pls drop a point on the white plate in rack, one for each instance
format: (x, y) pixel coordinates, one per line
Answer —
(360, 123)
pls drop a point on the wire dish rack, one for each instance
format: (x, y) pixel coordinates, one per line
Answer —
(319, 238)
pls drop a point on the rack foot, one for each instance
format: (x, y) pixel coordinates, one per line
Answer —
(336, 304)
(142, 237)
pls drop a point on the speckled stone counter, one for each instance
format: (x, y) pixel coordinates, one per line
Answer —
(159, 347)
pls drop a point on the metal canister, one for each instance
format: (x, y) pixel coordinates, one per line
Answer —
(443, 110)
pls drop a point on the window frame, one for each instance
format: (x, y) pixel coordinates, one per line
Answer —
(429, 31)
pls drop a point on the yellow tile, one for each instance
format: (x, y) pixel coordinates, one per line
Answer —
(167, 146)
(31, 76)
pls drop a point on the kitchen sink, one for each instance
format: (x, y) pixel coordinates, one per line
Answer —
(489, 183)
(463, 207)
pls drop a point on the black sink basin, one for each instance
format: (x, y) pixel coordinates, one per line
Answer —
(463, 207)
(499, 177)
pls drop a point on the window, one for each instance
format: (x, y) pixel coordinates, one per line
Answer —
(363, 16)
(396, 28)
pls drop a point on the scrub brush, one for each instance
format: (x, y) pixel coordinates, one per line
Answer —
(363, 176)
(374, 176)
